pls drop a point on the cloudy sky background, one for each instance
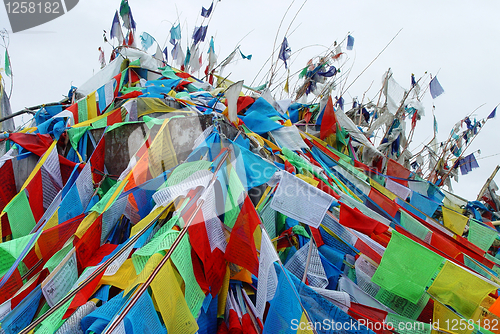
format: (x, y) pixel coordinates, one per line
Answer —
(457, 40)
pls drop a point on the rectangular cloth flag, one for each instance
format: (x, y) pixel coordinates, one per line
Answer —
(406, 268)
(460, 289)
(199, 34)
(467, 164)
(350, 42)
(435, 88)
(454, 221)
(481, 235)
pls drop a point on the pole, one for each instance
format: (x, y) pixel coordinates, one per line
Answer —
(488, 181)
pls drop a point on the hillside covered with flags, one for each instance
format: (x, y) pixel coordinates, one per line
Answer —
(160, 196)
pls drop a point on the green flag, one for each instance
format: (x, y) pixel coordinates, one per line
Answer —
(406, 268)
(7, 64)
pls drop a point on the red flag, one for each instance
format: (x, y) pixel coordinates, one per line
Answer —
(8, 182)
(35, 189)
(97, 160)
(247, 325)
(397, 170)
(54, 238)
(355, 219)
(83, 295)
(114, 117)
(384, 202)
(35, 143)
(329, 120)
(88, 244)
(234, 323)
(10, 287)
(241, 247)
(74, 110)
(130, 38)
(375, 318)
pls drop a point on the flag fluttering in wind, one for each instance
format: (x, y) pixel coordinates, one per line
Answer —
(207, 12)
(175, 34)
(285, 51)
(146, 40)
(435, 88)
(116, 29)
(212, 58)
(199, 34)
(249, 57)
(126, 14)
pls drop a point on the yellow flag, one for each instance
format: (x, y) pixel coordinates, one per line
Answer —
(124, 277)
(86, 223)
(286, 83)
(162, 155)
(308, 179)
(152, 263)
(460, 289)
(171, 302)
(304, 327)
(454, 221)
(91, 106)
(445, 320)
(221, 306)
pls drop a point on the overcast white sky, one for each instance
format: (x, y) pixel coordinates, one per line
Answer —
(458, 39)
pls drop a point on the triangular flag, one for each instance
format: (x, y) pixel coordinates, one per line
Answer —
(493, 113)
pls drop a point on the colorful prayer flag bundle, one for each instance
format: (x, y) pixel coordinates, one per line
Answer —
(151, 201)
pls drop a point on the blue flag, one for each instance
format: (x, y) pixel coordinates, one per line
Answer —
(115, 28)
(211, 48)
(188, 57)
(146, 40)
(350, 42)
(435, 88)
(249, 57)
(285, 51)
(493, 113)
(199, 34)
(175, 34)
(206, 12)
(165, 52)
